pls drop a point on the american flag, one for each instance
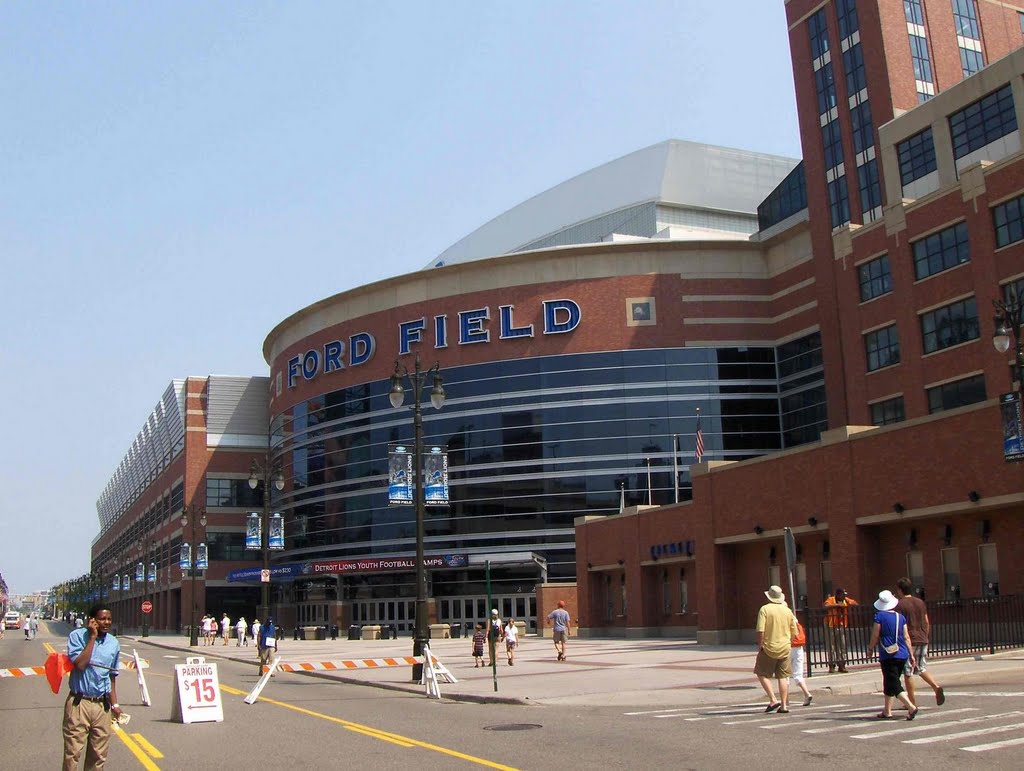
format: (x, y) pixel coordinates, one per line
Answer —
(698, 450)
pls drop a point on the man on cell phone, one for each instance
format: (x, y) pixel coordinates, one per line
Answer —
(92, 701)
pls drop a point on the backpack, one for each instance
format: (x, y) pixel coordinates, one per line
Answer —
(800, 639)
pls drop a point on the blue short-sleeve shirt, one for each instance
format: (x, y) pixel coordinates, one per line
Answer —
(94, 681)
(892, 625)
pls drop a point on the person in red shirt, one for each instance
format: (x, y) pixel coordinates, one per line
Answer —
(916, 613)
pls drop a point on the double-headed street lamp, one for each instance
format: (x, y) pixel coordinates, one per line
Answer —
(1009, 317)
(195, 515)
(417, 380)
(267, 474)
(148, 576)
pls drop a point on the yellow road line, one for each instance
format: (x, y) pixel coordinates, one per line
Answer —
(49, 648)
(137, 751)
(153, 751)
(387, 735)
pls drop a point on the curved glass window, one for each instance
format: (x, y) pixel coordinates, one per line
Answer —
(532, 445)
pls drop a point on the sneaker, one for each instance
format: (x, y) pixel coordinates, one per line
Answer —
(808, 700)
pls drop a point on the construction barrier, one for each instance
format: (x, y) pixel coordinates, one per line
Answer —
(22, 671)
(433, 670)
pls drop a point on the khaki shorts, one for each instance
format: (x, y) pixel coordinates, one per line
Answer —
(766, 666)
(920, 663)
(559, 637)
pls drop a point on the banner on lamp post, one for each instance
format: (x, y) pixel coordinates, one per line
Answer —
(140, 573)
(1013, 435)
(117, 582)
(185, 557)
(275, 532)
(435, 472)
(399, 475)
(126, 583)
(152, 572)
(253, 531)
(202, 563)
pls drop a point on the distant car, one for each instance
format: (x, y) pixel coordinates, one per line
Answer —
(12, 620)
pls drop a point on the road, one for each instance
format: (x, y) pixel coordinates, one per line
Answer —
(302, 721)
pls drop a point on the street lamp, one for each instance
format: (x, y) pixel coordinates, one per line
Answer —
(417, 380)
(1009, 317)
(195, 515)
(268, 475)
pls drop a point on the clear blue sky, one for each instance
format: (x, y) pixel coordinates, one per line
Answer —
(178, 177)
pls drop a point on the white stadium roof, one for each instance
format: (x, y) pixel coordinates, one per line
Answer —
(674, 174)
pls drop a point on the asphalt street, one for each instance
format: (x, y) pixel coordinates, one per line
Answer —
(714, 719)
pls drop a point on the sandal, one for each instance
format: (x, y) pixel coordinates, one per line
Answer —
(782, 711)
(773, 706)
(913, 713)
(883, 716)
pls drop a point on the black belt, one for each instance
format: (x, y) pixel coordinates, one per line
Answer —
(104, 700)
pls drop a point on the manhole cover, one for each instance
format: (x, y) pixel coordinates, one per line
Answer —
(513, 727)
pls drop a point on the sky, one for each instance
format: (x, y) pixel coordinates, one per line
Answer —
(176, 178)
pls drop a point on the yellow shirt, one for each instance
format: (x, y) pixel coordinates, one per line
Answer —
(778, 624)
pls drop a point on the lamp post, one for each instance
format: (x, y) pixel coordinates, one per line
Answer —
(267, 474)
(417, 380)
(195, 515)
(1009, 317)
(148, 574)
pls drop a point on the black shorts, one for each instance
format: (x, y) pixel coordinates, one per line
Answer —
(892, 671)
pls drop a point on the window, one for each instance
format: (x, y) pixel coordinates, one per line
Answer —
(846, 10)
(789, 197)
(912, 10)
(915, 567)
(922, 60)
(666, 594)
(887, 412)
(1013, 292)
(232, 492)
(971, 61)
(853, 64)
(882, 348)
(1008, 219)
(875, 279)
(950, 325)
(965, 17)
(916, 156)
(825, 86)
(622, 593)
(818, 31)
(863, 130)
(177, 497)
(227, 547)
(982, 122)
(988, 561)
(800, 601)
(941, 251)
(684, 593)
(839, 202)
(950, 574)
(959, 393)
(832, 141)
(870, 190)
(826, 576)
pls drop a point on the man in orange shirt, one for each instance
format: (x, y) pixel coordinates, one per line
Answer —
(837, 620)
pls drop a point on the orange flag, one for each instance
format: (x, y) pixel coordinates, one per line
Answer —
(57, 665)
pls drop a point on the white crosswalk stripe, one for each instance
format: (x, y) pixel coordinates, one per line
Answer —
(995, 745)
(903, 728)
(965, 734)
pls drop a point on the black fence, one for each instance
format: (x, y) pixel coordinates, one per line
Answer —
(959, 627)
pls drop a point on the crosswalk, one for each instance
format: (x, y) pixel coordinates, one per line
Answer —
(968, 728)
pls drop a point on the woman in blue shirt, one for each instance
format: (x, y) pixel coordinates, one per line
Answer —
(890, 634)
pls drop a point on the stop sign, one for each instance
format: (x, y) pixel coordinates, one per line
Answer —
(147, 607)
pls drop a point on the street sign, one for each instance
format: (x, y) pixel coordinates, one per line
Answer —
(147, 607)
(265, 576)
(196, 696)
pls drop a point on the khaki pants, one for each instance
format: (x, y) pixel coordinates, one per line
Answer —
(836, 639)
(86, 726)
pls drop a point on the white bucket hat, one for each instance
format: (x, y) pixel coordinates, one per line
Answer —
(886, 600)
(774, 594)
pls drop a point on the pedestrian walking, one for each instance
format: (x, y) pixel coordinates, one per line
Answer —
(267, 643)
(776, 628)
(511, 641)
(91, 704)
(225, 628)
(479, 638)
(3, 628)
(920, 627)
(28, 630)
(560, 621)
(837, 621)
(256, 635)
(241, 628)
(798, 662)
(35, 627)
(890, 635)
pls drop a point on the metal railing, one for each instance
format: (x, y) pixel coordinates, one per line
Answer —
(975, 625)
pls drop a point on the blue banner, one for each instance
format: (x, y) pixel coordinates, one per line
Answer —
(185, 557)
(1013, 435)
(253, 531)
(275, 532)
(202, 563)
(399, 475)
(126, 583)
(152, 572)
(435, 469)
(287, 572)
(117, 582)
(140, 573)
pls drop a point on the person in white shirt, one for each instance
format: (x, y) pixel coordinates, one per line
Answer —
(225, 628)
(511, 633)
(256, 633)
(240, 629)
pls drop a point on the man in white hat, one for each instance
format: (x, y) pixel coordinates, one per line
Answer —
(494, 634)
(776, 628)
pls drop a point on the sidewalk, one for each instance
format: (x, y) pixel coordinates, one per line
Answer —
(600, 672)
